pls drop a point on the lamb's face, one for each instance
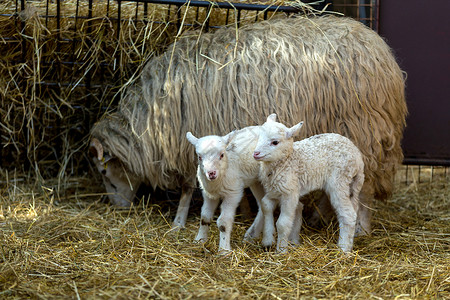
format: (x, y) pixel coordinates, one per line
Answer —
(211, 156)
(120, 186)
(211, 151)
(272, 142)
(275, 140)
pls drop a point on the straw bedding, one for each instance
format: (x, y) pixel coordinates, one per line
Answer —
(58, 240)
(55, 247)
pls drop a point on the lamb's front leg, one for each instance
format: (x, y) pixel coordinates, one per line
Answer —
(268, 207)
(226, 219)
(208, 208)
(289, 208)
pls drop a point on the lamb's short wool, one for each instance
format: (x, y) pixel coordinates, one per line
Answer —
(225, 169)
(288, 170)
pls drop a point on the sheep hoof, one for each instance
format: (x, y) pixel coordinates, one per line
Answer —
(361, 231)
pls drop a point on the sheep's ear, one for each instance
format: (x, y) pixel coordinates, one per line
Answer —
(96, 148)
(191, 138)
(227, 138)
(294, 130)
(272, 118)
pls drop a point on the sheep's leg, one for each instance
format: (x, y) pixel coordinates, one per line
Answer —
(208, 208)
(346, 215)
(267, 207)
(183, 207)
(363, 225)
(226, 219)
(288, 211)
(256, 228)
(294, 236)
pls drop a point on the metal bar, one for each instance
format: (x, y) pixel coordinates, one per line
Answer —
(406, 174)
(426, 161)
(208, 10)
(418, 177)
(178, 17)
(27, 160)
(226, 5)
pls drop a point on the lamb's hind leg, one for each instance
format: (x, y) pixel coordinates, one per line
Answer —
(256, 228)
(346, 215)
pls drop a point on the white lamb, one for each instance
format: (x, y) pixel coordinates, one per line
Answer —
(288, 170)
(225, 169)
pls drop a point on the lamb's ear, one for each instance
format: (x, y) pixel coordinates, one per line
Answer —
(96, 148)
(294, 130)
(191, 138)
(272, 118)
(229, 137)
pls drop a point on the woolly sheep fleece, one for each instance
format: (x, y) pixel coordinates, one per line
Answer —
(333, 73)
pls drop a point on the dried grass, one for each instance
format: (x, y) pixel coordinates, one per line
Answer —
(58, 240)
(75, 246)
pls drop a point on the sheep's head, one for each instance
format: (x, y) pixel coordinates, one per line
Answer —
(211, 151)
(120, 185)
(275, 140)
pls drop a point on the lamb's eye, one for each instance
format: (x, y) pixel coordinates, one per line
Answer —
(274, 143)
(199, 157)
(221, 155)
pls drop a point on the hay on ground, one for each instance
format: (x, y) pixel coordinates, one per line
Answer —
(75, 246)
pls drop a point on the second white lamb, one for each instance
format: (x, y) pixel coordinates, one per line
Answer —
(225, 169)
(288, 170)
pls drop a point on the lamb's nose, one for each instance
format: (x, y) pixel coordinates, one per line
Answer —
(212, 174)
(256, 154)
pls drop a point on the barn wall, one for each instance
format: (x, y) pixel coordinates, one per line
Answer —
(419, 33)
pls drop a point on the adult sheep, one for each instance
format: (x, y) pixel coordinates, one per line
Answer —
(333, 73)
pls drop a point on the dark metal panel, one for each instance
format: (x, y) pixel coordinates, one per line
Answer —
(419, 33)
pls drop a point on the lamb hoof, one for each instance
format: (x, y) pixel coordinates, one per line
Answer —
(224, 252)
(177, 227)
(346, 248)
(200, 240)
(267, 248)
